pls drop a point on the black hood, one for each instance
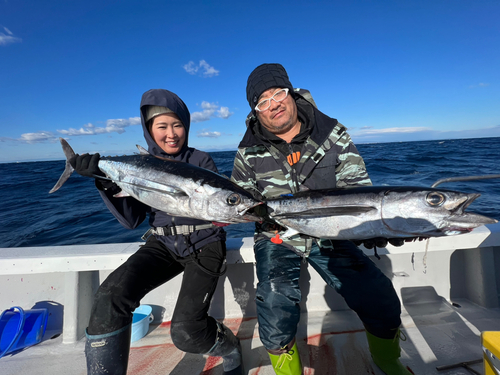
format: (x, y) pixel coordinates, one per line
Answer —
(164, 98)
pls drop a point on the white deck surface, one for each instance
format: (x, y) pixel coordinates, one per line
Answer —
(329, 343)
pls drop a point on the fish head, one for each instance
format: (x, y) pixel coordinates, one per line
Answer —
(226, 205)
(430, 212)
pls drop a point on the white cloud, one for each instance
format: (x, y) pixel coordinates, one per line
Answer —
(481, 84)
(203, 69)
(208, 134)
(191, 68)
(224, 113)
(39, 137)
(8, 38)
(208, 71)
(210, 110)
(112, 126)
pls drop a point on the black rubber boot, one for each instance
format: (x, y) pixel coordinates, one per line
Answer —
(228, 347)
(108, 354)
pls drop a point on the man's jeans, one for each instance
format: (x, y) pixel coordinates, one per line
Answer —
(345, 268)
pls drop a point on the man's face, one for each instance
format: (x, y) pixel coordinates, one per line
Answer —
(280, 117)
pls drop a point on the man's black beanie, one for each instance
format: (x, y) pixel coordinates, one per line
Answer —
(263, 78)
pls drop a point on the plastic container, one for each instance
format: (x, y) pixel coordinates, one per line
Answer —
(20, 329)
(140, 322)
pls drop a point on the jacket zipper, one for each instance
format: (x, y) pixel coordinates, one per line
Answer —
(294, 171)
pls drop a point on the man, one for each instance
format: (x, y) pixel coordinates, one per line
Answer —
(291, 146)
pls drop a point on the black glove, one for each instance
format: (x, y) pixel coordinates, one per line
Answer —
(372, 242)
(260, 210)
(380, 242)
(86, 165)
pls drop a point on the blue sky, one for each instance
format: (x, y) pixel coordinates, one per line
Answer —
(388, 70)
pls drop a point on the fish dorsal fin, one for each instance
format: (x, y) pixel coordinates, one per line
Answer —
(328, 211)
(142, 150)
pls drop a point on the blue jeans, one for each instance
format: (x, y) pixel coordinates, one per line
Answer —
(345, 268)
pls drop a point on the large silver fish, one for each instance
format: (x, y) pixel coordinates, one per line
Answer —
(177, 188)
(369, 212)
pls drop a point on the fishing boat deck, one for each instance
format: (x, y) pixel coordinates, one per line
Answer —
(437, 333)
(449, 290)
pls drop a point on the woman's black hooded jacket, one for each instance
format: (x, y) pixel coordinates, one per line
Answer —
(130, 212)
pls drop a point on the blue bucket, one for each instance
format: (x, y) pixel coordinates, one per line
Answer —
(140, 322)
(20, 329)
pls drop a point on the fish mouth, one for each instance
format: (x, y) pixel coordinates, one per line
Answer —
(463, 222)
(458, 207)
(249, 214)
(467, 221)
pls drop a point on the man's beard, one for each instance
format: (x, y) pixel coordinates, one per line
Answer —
(281, 129)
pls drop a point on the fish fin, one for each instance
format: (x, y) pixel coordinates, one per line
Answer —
(121, 194)
(68, 169)
(142, 150)
(289, 233)
(153, 186)
(328, 211)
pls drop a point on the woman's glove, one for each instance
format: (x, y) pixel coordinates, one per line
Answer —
(87, 165)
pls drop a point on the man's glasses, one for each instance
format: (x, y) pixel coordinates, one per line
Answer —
(278, 96)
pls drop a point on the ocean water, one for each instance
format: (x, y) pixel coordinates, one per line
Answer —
(75, 214)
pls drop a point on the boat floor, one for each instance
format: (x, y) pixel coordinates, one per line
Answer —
(437, 333)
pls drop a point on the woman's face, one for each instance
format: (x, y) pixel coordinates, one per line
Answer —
(168, 132)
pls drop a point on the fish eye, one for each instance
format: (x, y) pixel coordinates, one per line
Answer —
(435, 199)
(234, 199)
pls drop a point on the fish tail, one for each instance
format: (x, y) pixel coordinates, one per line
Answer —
(68, 170)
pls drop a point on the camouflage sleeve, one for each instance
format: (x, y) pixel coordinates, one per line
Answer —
(243, 174)
(352, 170)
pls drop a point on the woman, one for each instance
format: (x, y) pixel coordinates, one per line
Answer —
(200, 254)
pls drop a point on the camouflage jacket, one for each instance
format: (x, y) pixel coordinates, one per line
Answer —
(328, 159)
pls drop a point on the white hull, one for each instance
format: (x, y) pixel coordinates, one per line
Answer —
(459, 269)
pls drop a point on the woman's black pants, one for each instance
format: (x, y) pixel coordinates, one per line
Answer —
(192, 330)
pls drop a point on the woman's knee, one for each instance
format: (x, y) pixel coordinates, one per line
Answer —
(193, 337)
(111, 310)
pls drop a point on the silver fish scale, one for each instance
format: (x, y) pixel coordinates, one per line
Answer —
(369, 212)
(178, 188)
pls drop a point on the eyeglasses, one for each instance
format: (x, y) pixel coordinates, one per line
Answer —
(278, 96)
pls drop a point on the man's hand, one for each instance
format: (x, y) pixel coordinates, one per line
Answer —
(260, 210)
(380, 242)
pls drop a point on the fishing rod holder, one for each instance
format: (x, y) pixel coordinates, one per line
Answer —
(468, 178)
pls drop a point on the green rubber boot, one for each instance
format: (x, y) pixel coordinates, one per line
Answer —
(385, 353)
(287, 363)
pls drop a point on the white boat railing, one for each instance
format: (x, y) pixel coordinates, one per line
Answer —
(461, 266)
